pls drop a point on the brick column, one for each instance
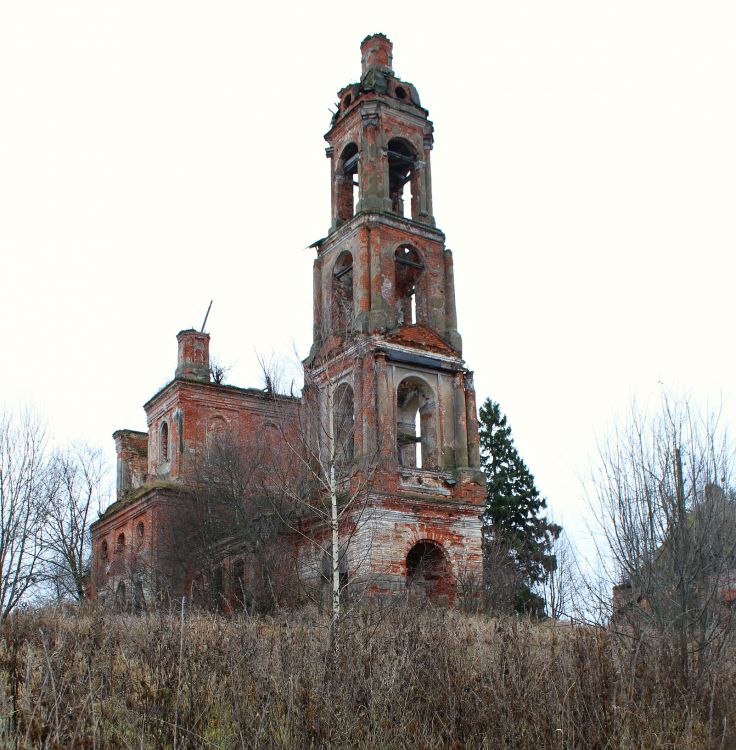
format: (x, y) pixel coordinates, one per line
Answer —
(373, 172)
(317, 300)
(426, 212)
(461, 427)
(358, 410)
(380, 313)
(450, 309)
(330, 153)
(418, 192)
(471, 417)
(384, 412)
(362, 281)
(368, 405)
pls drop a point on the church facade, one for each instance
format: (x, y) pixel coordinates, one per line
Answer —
(387, 415)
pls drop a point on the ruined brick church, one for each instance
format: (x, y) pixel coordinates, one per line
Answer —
(385, 377)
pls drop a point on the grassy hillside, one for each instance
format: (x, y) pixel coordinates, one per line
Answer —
(395, 679)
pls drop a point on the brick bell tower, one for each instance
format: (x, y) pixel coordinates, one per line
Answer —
(387, 356)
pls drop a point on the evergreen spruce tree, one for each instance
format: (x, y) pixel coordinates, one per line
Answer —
(512, 515)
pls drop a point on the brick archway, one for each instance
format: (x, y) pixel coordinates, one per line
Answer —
(429, 573)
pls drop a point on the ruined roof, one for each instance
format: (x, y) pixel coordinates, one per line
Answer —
(139, 492)
(258, 393)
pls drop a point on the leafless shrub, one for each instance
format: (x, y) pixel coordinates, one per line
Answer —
(22, 506)
(563, 587)
(218, 371)
(668, 517)
(72, 491)
(503, 579)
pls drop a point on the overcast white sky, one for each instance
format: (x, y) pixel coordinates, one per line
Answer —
(155, 155)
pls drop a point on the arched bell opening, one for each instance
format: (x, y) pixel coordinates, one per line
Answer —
(428, 572)
(403, 178)
(416, 428)
(348, 186)
(408, 270)
(342, 294)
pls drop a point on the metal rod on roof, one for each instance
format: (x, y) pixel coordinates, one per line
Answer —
(206, 315)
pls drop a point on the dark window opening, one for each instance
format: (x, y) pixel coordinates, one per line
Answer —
(427, 570)
(104, 554)
(139, 531)
(416, 430)
(400, 92)
(139, 599)
(348, 189)
(342, 573)
(121, 597)
(342, 295)
(164, 442)
(218, 586)
(239, 590)
(403, 178)
(343, 423)
(408, 270)
(121, 542)
(347, 101)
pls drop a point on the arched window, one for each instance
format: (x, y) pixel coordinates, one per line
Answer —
(403, 178)
(346, 178)
(343, 422)
(164, 443)
(416, 428)
(408, 268)
(104, 552)
(342, 294)
(121, 543)
(139, 532)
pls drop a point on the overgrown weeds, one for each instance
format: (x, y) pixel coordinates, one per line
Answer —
(424, 679)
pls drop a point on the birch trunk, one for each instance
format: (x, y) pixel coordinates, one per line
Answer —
(334, 519)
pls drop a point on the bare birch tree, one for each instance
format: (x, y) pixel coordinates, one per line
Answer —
(323, 487)
(661, 490)
(22, 472)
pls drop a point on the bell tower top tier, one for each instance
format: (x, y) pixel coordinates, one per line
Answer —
(380, 141)
(377, 52)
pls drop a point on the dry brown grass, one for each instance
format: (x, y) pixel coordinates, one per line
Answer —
(404, 679)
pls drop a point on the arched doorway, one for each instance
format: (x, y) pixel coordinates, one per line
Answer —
(428, 573)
